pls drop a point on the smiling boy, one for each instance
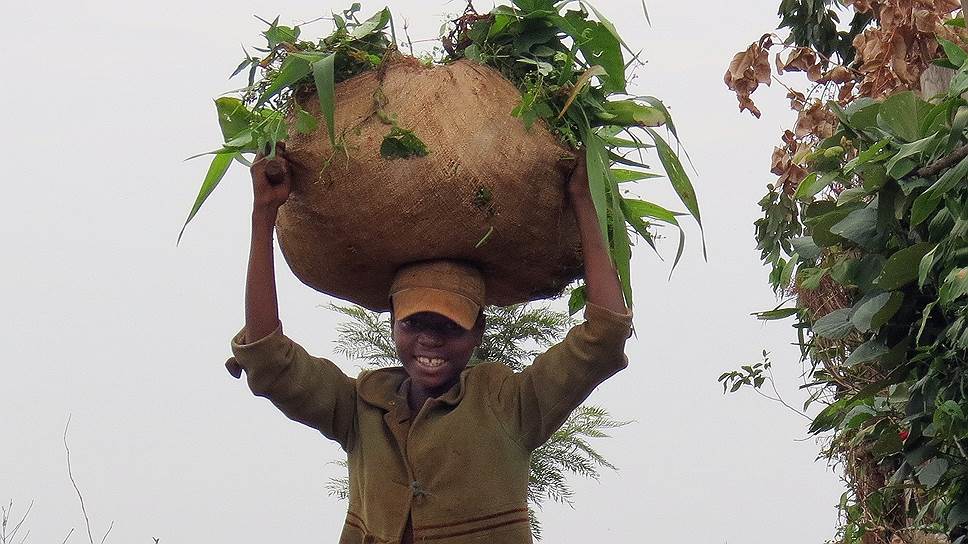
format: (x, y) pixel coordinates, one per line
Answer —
(438, 451)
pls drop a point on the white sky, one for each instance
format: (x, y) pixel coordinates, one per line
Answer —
(105, 319)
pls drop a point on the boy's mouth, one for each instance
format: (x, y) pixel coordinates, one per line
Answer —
(430, 362)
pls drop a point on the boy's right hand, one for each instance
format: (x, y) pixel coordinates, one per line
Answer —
(271, 191)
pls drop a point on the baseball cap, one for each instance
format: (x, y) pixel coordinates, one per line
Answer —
(452, 289)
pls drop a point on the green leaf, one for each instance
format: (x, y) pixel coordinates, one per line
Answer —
(629, 113)
(901, 114)
(233, 117)
(624, 176)
(501, 21)
(862, 113)
(810, 278)
(835, 325)
(375, 23)
(292, 71)
(577, 299)
(932, 471)
(820, 226)
(896, 168)
(956, 55)
(888, 443)
(324, 77)
(857, 416)
(955, 286)
(583, 80)
(871, 154)
(216, 171)
(860, 227)
(679, 179)
(659, 105)
(544, 68)
(598, 184)
(929, 199)
(805, 246)
(401, 143)
(773, 315)
(866, 352)
(787, 274)
(598, 45)
(634, 210)
(621, 245)
(305, 122)
(641, 208)
(901, 268)
(276, 34)
(872, 313)
(830, 416)
(874, 176)
(813, 184)
(924, 268)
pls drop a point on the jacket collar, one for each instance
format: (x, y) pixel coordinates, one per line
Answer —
(382, 387)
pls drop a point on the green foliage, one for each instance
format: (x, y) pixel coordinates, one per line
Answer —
(514, 335)
(814, 24)
(401, 143)
(571, 67)
(568, 65)
(885, 233)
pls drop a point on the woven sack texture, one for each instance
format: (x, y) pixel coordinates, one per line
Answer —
(354, 218)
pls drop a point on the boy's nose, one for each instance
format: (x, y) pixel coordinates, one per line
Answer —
(430, 339)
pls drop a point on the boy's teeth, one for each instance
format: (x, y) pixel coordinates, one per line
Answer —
(430, 362)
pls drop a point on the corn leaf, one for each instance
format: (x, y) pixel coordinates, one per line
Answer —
(679, 179)
(216, 171)
(324, 76)
(621, 244)
(625, 176)
(598, 166)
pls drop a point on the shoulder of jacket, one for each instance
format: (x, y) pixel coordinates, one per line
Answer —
(489, 370)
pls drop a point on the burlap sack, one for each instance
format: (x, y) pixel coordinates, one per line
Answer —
(353, 218)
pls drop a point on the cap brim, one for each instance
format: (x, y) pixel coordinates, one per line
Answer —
(457, 308)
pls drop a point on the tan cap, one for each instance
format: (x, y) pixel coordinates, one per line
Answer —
(452, 289)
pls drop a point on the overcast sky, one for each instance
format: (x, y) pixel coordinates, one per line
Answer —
(107, 321)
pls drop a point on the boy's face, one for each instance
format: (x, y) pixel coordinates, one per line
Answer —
(434, 350)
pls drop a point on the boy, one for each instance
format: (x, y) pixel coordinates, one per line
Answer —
(437, 452)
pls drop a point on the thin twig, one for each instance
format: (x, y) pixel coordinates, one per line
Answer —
(70, 474)
(961, 449)
(779, 398)
(68, 536)
(4, 537)
(406, 32)
(106, 533)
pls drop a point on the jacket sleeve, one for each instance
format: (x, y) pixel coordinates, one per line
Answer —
(307, 389)
(534, 403)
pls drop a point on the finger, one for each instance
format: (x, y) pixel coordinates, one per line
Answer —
(234, 368)
(277, 172)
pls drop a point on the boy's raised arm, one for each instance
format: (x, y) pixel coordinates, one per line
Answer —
(601, 280)
(261, 305)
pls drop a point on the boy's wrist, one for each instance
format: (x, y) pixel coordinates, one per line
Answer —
(264, 215)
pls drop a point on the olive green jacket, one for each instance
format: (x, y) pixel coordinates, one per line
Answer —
(460, 466)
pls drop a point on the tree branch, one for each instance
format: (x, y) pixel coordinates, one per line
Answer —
(945, 162)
